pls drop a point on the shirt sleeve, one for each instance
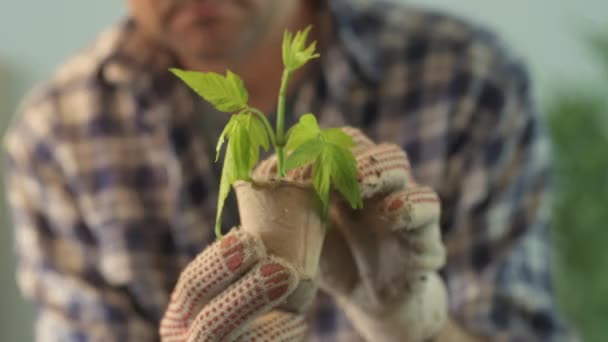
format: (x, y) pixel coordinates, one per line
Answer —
(57, 253)
(497, 218)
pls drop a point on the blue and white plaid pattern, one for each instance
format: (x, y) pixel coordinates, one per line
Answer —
(113, 189)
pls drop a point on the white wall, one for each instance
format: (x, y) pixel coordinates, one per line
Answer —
(36, 35)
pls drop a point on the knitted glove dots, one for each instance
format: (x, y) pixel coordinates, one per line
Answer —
(227, 294)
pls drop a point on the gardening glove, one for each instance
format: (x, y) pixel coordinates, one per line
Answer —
(229, 292)
(380, 263)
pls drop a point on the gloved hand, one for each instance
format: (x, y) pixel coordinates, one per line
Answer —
(379, 263)
(228, 294)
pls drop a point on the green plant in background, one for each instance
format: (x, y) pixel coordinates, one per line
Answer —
(328, 150)
(578, 121)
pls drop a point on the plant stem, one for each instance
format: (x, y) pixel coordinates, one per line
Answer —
(281, 122)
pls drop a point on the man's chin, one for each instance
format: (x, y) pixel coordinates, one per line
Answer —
(208, 45)
(208, 53)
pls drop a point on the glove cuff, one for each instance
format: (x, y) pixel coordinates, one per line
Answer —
(417, 317)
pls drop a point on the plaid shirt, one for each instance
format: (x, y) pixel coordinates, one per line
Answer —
(113, 187)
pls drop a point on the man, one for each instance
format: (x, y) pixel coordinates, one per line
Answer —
(113, 187)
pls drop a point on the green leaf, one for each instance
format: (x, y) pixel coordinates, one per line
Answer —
(240, 147)
(225, 93)
(225, 133)
(238, 87)
(304, 154)
(258, 133)
(344, 174)
(246, 129)
(334, 162)
(321, 179)
(295, 52)
(265, 123)
(336, 165)
(246, 134)
(307, 128)
(226, 181)
(338, 137)
(286, 46)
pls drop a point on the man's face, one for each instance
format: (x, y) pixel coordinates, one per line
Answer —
(209, 29)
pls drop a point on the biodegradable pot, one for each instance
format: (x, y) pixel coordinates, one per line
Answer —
(286, 216)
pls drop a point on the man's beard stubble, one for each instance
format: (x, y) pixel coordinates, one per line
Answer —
(257, 25)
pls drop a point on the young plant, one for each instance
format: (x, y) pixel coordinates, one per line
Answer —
(328, 150)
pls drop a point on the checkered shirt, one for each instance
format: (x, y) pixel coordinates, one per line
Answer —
(112, 185)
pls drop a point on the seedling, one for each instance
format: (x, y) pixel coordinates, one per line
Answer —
(328, 150)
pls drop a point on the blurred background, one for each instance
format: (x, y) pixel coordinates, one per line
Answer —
(565, 44)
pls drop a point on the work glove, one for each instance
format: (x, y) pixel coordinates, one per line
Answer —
(229, 292)
(380, 263)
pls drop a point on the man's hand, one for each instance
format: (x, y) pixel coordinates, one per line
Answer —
(228, 293)
(380, 263)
